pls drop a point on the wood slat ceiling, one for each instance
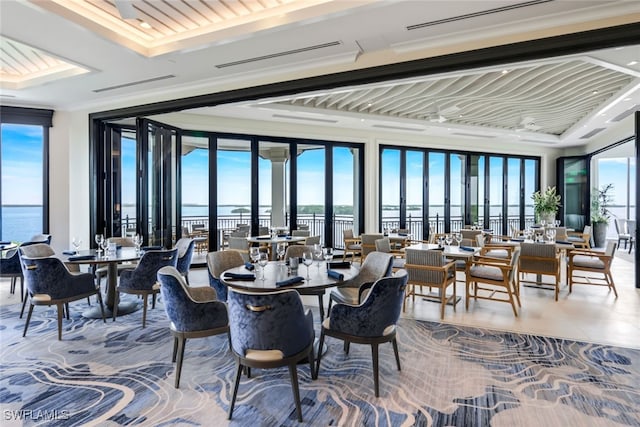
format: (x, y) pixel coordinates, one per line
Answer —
(548, 98)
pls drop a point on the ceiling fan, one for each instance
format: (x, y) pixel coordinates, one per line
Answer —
(126, 9)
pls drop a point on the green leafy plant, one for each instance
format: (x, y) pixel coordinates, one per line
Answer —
(600, 201)
(546, 202)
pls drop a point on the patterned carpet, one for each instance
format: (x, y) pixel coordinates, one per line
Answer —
(119, 374)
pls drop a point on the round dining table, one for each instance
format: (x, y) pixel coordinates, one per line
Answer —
(276, 273)
(92, 257)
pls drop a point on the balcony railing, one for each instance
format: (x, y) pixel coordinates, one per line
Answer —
(316, 222)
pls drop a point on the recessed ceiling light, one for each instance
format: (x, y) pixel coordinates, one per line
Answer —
(505, 71)
(595, 92)
(145, 25)
(632, 63)
(627, 99)
(369, 104)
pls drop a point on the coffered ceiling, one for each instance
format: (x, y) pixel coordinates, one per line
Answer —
(69, 54)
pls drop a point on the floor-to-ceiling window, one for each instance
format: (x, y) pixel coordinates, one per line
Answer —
(24, 142)
(454, 189)
(205, 184)
(617, 167)
(310, 186)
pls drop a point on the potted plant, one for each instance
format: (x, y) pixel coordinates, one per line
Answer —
(600, 215)
(546, 204)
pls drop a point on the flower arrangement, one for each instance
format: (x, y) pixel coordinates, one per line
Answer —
(546, 202)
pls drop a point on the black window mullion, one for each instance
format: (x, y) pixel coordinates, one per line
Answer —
(213, 191)
(255, 185)
(402, 220)
(293, 184)
(328, 196)
(487, 201)
(447, 192)
(505, 194)
(426, 225)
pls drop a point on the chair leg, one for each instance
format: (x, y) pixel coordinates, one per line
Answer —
(235, 389)
(175, 349)
(611, 283)
(26, 324)
(60, 313)
(24, 304)
(320, 344)
(395, 350)
(346, 346)
(181, 344)
(293, 372)
(374, 354)
(99, 298)
(321, 307)
(22, 294)
(13, 286)
(144, 310)
(116, 300)
(329, 307)
(66, 307)
(312, 363)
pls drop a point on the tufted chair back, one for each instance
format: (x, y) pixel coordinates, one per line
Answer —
(217, 263)
(379, 311)
(144, 276)
(37, 250)
(190, 309)
(185, 248)
(269, 321)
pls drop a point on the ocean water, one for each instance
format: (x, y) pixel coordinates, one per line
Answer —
(20, 223)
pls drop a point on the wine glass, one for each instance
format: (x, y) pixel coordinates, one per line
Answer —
(76, 242)
(317, 253)
(137, 241)
(458, 238)
(254, 254)
(263, 260)
(327, 254)
(556, 223)
(104, 245)
(281, 249)
(448, 239)
(99, 240)
(307, 259)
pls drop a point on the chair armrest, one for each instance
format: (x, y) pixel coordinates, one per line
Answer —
(202, 294)
(362, 288)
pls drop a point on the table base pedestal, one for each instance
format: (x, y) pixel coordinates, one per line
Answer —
(126, 307)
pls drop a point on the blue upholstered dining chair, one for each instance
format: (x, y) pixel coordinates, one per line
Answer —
(270, 330)
(33, 250)
(41, 238)
(193, 312)
(375, 266)
(10, 268)
(185, 248)
(49, 283)
(217, 263)
(373, 322)
(143, 280)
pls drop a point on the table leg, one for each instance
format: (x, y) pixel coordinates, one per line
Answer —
(123, 307)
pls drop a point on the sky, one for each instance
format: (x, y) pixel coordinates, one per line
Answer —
(22, 170)
(21, 164)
